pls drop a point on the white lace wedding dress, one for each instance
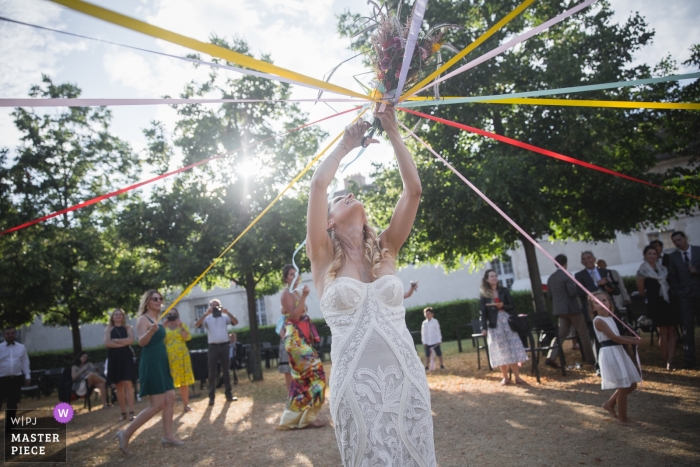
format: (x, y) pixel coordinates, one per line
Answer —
(380, 402)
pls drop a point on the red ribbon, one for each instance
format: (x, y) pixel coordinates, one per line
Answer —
(159, 177)
(545, 152)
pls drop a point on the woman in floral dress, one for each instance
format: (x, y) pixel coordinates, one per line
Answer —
(308, 388)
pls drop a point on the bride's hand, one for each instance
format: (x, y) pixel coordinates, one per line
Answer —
(352, 138)
(387, 117)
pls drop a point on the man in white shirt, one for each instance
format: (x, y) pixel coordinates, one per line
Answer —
(14, 370)
(431, 337)
(216, 321)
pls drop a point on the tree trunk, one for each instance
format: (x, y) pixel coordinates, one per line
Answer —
(254, 355)
(75, 330)
(533, 270)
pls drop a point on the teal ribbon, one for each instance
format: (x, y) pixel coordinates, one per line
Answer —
(551, 92)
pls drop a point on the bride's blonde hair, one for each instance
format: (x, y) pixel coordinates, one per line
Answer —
(373, 250)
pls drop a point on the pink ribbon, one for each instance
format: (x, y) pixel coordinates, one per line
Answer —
(525, 234)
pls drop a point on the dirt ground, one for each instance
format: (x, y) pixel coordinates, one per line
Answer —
(476, 422)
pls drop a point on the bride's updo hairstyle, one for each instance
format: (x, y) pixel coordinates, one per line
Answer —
(373, 251)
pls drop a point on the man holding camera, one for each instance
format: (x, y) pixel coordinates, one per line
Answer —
(216, 321)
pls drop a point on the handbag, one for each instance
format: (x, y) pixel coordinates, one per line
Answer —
(518, 324)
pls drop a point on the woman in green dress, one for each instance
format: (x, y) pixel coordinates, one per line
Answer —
(154, 372)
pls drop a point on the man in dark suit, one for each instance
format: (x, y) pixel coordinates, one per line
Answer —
(235, 354)
(594, 278)
(567, 309)
(684, 280)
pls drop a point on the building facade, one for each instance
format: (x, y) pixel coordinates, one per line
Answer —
(435, 285)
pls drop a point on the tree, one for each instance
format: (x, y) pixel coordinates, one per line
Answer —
(189, 223)
(547, 198)
(72, 268)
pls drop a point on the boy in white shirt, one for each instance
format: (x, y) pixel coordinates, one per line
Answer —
(431, 337)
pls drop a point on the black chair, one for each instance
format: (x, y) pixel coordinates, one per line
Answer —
(37, 382)
(52, 380)
(547, 339)
(635, 310)
(464, 327)
(325, 348)
(268, 352)
(476, 335)
(66, 393)
(200, 366)
(246, 361)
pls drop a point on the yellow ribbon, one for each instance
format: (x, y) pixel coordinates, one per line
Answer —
(469, 48)
(609, 104)
(194, 44)
(255, 221)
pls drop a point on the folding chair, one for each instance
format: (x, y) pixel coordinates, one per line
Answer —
(545, 329)
(476, 335)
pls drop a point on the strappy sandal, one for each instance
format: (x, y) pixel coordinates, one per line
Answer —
(123, 417)
(131, 416)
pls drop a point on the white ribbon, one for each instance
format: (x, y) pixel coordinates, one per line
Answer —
(80, 102)
(510, 44)
(416, 21)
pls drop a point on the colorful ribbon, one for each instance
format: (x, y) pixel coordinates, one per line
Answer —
(496, 27)
(606, 104)
(512, 43)
(87, 102)
(159, 177)
(194, 44)
(425, 101)
(255, 221)
(416, 19)
(522, 232)
(545, 152)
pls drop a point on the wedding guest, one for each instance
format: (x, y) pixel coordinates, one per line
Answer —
(431, 337)
(288, 274)
(623, 299)
(121, 370)
(505, 347)
(84, 370)
(617, 371)
(684, 279)
(14, 371)
(154, 373)
(308, 387)
(216, 320)
(652, 284)
(176, 334)
(413, 288)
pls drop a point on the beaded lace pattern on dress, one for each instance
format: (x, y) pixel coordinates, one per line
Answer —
(380, 402)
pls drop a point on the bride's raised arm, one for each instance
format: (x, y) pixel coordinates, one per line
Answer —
(406, 208)
(318, 245)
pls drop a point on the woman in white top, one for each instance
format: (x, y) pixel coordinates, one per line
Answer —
(380, 399)
(616, 368)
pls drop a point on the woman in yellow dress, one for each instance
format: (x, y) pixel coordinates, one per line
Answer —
(176, 334)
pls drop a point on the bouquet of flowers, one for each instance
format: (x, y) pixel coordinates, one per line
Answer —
(388, 44)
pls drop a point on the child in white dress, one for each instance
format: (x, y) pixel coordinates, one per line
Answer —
(616, 368)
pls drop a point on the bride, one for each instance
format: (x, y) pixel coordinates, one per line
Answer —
(380, 402)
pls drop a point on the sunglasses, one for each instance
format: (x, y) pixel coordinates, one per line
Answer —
(157, 299)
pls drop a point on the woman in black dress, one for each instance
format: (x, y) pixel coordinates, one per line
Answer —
(651, 283)
(121, 370)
